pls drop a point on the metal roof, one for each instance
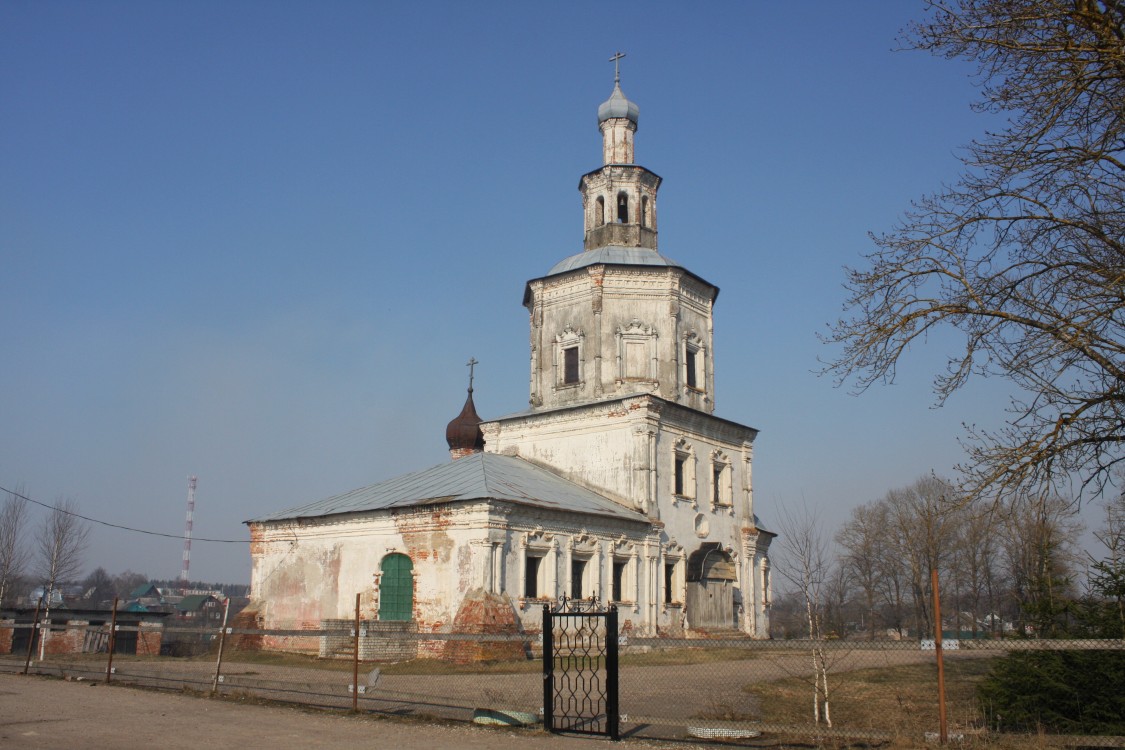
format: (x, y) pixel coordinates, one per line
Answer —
(481, 476)
(617, 105)
(613, 255)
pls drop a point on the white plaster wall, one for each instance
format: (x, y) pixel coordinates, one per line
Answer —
(302, 573)
(616, 448)
(599, 301)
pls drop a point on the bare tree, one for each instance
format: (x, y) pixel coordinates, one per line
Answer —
(1107, 575)
(805, 564)
(1024, 256)
(62, 542)
(1039, 544)
(98, 588)
(13, 552)
(974, 564)
(921, 524)
(125, 583)
(862, 539)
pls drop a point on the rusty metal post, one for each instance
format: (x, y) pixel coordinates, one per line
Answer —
(112, 640)
(222, 643)
(31, 637)
(943, 730)
(355, 659)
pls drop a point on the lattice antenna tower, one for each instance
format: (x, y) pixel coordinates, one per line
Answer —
(187, 528)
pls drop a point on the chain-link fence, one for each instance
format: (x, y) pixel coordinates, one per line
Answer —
(833, 691)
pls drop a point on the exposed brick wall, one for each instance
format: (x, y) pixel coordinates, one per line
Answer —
(6, 635)
(247, 619)
(149, 638)
(65, 637)
(485, 614)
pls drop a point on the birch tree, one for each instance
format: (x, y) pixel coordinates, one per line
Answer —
(805, 565)
(61, 543)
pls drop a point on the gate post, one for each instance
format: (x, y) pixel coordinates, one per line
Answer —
(612, 714)
(548, 670)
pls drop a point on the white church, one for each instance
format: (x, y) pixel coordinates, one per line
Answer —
(618, 482)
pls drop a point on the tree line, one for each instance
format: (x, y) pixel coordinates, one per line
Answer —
(49, 557)
(1004, 568)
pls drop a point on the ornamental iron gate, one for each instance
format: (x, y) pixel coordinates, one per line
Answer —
(580, 668)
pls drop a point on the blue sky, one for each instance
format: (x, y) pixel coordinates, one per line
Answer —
(257, 241)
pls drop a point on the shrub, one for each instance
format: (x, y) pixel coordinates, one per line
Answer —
(1065, 692)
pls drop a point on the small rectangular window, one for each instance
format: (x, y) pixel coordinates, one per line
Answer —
(577, 572)
(570, 365)
(531, 577)
(692, 380)
(669, 582)
(618, 580)
(679, 483)
(717, 483)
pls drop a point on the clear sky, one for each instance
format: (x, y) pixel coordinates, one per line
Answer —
(258, 241)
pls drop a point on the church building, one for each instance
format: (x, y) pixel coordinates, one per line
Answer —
(617, 482)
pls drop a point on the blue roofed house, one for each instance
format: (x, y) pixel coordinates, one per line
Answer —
(618, 481)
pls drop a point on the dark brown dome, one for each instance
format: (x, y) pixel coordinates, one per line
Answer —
(463, 433)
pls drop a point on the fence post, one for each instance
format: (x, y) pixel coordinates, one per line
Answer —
(612, 714)
(112, 640)
(355, 660)
(31, 638)
(943, 731)
(222, 643)
(548, 670)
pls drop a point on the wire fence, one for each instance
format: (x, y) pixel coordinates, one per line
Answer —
(832, 691)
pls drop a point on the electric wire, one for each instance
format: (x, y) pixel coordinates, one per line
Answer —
(119, 526)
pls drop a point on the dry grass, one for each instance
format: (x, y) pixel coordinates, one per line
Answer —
(901, 700)
(875, 698)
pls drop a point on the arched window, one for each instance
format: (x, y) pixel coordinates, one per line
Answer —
(396, 588)
(622, 208)
(599, 211)
(646, 220)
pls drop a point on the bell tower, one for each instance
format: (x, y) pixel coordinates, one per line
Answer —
(620, 197)
(619, 318)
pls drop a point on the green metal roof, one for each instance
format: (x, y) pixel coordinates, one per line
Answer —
(193, 602)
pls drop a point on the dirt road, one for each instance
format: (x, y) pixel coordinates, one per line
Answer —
(39, 712)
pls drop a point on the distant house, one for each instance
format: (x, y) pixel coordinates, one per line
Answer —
(147, 595)
(199, 609)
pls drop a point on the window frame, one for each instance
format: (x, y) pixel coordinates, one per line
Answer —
(569, 339)
(722, 481)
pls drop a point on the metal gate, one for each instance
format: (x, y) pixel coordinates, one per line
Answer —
(580, 668)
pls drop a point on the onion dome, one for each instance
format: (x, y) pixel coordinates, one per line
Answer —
(463, 433)
(617, 106)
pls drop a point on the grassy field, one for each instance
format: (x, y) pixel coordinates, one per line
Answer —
(901, 699)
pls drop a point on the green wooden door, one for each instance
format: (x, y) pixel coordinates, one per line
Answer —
(396, 588)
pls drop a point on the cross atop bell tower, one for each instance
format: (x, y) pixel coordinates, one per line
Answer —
(616, 60)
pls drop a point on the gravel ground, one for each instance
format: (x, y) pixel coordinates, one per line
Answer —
(39, 712)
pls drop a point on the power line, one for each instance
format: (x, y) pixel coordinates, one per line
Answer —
(119, 526)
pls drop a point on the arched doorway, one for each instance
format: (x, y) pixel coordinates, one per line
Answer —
(711, 580)
(396, 588)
